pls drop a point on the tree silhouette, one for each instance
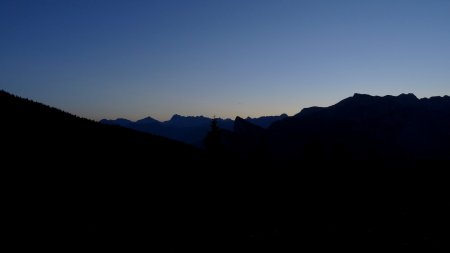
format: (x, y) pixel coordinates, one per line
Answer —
(212, 141)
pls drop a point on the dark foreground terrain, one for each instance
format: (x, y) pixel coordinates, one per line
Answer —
(71, 183)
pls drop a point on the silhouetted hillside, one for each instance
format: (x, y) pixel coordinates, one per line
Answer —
(367, 174)
(28, 127)
(79, 184)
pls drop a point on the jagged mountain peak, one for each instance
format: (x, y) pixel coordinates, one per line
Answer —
(358, 100)
(265, 121)
(147, 120)
(243, 126)
(118, 121)
(309, 110)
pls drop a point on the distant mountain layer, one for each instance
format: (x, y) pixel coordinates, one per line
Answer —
(188, 129)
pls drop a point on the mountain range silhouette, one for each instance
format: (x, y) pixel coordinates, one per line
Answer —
(363, 126)
(366, 174)
(188, 129)
(389, 128)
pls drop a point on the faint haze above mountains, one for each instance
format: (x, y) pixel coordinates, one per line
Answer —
(110, 59)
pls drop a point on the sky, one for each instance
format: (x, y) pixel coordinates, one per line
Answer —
(132, 58)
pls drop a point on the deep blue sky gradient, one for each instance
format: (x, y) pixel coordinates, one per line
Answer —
(111, 58)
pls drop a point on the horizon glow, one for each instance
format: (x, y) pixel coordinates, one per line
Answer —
(132, 59)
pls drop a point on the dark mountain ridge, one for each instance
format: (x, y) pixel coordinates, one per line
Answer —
(387, 127)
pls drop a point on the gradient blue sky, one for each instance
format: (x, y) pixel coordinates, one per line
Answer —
(131, 58)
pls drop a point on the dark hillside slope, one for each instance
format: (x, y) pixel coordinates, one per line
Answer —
(78, 182)
(47, 140)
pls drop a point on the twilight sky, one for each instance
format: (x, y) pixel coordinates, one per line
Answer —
(133, 58)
